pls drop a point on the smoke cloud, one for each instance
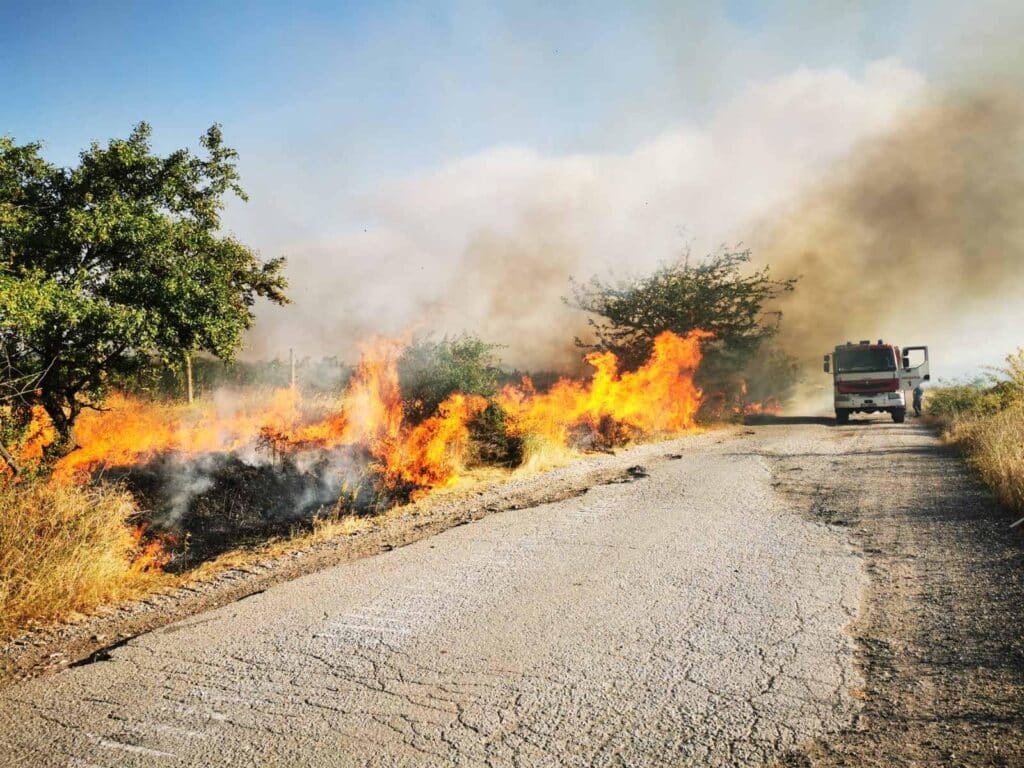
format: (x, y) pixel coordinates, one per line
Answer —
(912, 235)
(487, 243)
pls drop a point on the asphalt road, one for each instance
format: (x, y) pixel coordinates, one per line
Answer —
(716, 612)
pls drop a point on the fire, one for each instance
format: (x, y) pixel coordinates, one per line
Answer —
(130, 431)
(659, 397)
(404, 460)
(150, 555)
(370, 416)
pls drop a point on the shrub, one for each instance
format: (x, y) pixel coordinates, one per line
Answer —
(65, 549)
(430, 371)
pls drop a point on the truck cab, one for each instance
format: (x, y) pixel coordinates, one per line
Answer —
(871, 378)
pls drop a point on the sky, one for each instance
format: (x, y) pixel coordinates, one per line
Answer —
(396, 151)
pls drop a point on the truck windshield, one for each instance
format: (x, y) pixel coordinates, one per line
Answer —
(865, 360)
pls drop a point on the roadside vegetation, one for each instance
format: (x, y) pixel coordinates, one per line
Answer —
(67, 549)
(719, 294)
(985, 418)
(118, 288)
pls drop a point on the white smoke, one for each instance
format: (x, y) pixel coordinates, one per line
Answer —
(487, 243)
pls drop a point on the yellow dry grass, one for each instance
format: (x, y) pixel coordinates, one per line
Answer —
(64, 550)
(994, 446)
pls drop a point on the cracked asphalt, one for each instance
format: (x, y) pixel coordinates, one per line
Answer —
(700, 615)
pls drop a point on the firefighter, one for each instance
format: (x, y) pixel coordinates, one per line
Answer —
(918, 397)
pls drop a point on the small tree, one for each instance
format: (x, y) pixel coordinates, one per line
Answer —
(716, 294)
(118, 259)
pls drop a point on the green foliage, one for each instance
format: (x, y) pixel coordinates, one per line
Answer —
(717, 294)
(712, 295)
(430, 371)
(117, 260)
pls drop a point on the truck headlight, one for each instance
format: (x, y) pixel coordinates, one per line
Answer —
(894, 395)
(844, 397)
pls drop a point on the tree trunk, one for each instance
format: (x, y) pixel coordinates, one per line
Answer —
(10, 461)
(63, 423)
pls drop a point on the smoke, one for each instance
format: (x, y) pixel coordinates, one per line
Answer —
(913, 236)
(487, 243)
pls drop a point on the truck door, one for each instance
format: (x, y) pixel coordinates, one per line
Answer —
(915, 367)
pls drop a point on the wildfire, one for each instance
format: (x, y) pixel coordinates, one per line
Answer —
(150, 555)
(659, 397)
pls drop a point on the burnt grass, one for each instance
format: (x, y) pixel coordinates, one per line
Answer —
(203, 508)
(200, 507)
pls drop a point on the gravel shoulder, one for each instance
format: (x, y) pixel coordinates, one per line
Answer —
(939, 633)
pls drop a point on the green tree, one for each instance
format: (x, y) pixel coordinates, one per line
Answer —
(719, 294)
(714, 294)
(119, 259)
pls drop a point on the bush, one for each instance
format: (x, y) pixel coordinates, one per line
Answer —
(431, 371)
(986, 419)
(718, 294)
(65, 549)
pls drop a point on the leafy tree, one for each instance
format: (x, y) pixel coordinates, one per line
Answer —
(717, 294)
(712, 295)
(118, 259)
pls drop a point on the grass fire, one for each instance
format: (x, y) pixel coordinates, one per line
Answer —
(363, 451)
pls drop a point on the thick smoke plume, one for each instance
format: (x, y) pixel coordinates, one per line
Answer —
(916, 233)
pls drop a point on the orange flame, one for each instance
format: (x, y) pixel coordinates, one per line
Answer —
(659, 397)
(150, 555)
(370, 414)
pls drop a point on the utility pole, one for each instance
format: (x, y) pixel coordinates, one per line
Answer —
(188, 378)
(291, 366)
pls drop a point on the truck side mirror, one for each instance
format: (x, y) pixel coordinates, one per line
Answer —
(825, 364)
(927, 377)
(906, 362)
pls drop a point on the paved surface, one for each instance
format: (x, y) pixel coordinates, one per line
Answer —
(695, 616)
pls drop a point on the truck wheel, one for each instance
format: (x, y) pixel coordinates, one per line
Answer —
(842, 416)
(899, 415)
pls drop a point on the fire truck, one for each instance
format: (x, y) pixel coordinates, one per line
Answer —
(872, 378)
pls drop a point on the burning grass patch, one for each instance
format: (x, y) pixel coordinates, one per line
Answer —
(66, 549)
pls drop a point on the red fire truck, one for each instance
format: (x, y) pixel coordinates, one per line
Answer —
(870, 378)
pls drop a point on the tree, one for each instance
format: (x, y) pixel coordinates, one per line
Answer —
(717, 294)
(712, 295)
(119, 259)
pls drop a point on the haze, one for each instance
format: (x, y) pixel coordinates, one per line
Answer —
(448, 169)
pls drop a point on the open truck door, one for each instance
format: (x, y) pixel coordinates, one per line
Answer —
(915, 367)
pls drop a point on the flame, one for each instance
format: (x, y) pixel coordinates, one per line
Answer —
(406, 460)
(658, 397)
(370, 415)
(150, 555)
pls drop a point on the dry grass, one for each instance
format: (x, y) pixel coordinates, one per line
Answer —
(64, 550)
(994, 446)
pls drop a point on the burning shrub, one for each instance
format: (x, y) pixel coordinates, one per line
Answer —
(68, 548)
(429, 372)
(717, 295)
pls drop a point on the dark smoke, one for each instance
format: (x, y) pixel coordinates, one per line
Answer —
(913, 233)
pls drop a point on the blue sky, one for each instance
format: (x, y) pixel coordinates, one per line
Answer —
(385, 88)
